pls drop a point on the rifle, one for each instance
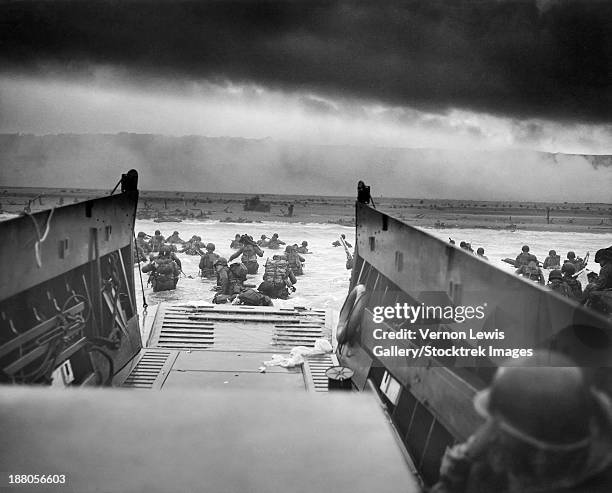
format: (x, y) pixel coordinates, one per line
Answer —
(584, 264)
(349, 256)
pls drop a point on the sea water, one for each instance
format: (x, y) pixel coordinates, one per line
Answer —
(325, 282)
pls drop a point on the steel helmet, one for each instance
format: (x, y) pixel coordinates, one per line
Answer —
(525, 248)
(555, 274)
(571, 255)
(157, 232)
(141, 235)
(164, 250)
(210, 246)
(548, 407)
(220, 261)
(304, 243)
(568, 268)
(552, 252)
(603, 254)
(480, 251)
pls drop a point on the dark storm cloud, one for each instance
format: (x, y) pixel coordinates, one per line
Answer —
(549, 59)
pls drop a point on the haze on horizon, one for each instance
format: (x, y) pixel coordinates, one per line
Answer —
(509, 77)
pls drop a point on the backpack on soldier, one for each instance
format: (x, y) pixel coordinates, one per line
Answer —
(254, 298)
(239, 271)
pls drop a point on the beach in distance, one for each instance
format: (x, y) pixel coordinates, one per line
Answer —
(172, 206)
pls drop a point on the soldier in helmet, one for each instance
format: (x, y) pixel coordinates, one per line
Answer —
(222, 272)
(303, 248)
(142, 247)
(250, 251)
(275, 242)
(525, 257)
(156, 241)
(576, 261)
(263, 241)
(235, 244)
(532, 272)
(164, 271)
(175, 238)
(597, 293)
(480, 253)
(553, 261)
(556, 283)
(568, 270)
(207, 262)
(294, 259)
(546, 431)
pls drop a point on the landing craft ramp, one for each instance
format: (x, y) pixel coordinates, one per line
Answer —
(225, 346)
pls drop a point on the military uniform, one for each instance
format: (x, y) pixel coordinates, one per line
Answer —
(546, 432)
(295, 262)
(156, 242)
(531, 272)
(164, 273)
(175, 238)
(278, 279)
(524, 258)
(206, 265)
(552, 262)
(250, 252)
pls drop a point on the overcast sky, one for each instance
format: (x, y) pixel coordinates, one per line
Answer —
(477, 74)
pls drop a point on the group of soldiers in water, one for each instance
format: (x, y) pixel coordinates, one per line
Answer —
(563, 279)
(279, 278)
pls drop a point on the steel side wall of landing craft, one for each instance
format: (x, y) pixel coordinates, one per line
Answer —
(432, 271)
(70, 242)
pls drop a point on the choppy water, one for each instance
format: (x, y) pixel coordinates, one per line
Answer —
(325, 282)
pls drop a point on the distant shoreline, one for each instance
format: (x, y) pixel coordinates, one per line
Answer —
(427, 213)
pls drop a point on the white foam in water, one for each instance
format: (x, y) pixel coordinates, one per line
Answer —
(325, 281)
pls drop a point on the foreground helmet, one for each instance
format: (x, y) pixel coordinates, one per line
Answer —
(220, 261)
(571, 255)
(210, 246)
(157, 232)
(552, 252)
(165, 250)
(603, 254)
(568, 268)
(555, 274)
(547, 407)
(525, 248)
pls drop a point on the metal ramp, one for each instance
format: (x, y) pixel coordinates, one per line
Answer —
(217, 346)
(236, 327)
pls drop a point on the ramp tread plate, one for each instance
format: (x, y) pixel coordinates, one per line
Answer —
(151, 369)
(314, 371)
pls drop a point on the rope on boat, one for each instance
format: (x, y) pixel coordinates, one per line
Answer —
(42, 238)
(144, 301)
